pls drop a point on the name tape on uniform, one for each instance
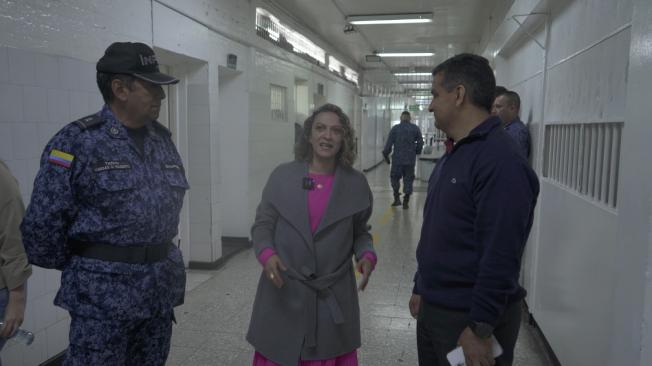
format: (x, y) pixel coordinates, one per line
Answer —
(111, 165)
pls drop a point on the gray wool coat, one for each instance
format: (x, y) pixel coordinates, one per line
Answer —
(315, 315)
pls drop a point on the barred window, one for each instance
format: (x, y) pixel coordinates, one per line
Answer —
(585, 157)
(269, 27)
(278, 102)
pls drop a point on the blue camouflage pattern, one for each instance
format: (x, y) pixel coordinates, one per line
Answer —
(111, 194)
(402, 171)
(407, 142)
(119, 343)
(518, 131)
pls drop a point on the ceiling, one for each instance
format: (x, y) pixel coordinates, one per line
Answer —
(457, 27)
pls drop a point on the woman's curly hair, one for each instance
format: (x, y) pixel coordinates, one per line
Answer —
(346, 155)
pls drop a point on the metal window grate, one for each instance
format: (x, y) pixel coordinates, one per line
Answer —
(585, 157)
(269, 27)
(278, 96)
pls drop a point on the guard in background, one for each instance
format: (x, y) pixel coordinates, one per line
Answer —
(104, 210)
(408, 142)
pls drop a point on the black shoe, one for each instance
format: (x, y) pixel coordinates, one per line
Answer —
(397, 200)
(406, 198)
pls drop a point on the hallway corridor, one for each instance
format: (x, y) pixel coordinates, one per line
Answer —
(212, 323)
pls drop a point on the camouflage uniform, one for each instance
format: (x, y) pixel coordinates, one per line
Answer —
(105, 190)
(408, 142)
(520, 134)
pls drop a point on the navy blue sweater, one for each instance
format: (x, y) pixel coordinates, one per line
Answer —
(477, 218)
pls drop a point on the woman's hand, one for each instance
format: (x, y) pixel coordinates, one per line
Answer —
(273, 266)
(365, 267)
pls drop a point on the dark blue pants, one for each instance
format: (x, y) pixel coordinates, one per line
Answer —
(143, 342)
(438, 330)
(406, 172)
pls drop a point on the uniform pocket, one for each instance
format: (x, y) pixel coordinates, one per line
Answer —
(115, 180)
(175, 176)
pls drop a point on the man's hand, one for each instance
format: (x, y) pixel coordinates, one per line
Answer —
(415, 305)
(477, 351)
(15, 312)
(386, 159)
(273, 268)
(365, 267)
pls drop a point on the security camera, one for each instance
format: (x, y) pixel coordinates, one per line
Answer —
(349, 28)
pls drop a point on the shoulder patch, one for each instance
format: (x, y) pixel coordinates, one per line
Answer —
(161, 129)
(89, 121)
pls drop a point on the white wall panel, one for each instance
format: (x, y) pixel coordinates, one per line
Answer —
(575, 277)
(573, 264)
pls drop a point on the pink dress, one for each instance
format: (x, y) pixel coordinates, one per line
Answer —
(317, 203)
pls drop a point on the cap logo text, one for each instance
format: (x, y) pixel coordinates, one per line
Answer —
(148, 60)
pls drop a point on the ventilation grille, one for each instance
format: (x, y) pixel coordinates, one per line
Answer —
(585, 157)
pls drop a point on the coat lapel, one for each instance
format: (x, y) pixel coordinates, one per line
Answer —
(347, 198)
(292, 201)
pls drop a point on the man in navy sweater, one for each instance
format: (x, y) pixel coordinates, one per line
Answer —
(477, 218)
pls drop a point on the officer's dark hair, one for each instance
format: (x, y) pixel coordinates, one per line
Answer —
(104, 83)
(346, 155)
(406, 113)
(512, 99)
(499, 91)
(474, 73)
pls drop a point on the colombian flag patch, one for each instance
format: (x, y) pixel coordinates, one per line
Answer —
(61, 158)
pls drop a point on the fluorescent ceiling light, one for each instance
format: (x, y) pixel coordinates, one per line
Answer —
(405, 54)
(412, 74)
(390, 18)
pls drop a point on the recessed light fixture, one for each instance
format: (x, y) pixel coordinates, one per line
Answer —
(412, 74)
(405, 54)
(409, 18)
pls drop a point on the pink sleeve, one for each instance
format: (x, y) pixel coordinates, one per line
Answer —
(371, 256)
(265, 254)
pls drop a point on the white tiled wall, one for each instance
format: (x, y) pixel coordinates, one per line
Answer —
(48, 52)
(34, 105)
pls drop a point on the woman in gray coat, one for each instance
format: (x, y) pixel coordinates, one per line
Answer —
(311, 221)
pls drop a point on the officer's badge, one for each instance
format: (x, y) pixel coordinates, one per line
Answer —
(61, 158)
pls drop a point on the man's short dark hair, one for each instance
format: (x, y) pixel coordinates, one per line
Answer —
(499, 91)
(512, 99)
(405, 113)
(474, 73)
(104, 84)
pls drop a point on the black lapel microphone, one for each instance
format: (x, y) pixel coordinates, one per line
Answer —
(308, 183)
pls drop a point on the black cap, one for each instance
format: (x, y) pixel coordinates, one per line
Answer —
(136, 59)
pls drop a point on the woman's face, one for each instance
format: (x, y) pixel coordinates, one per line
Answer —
(326, 136)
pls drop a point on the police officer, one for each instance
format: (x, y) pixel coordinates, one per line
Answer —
(408, 142)
(104, 210)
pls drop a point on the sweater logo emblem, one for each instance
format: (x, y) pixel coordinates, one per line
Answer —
(453, 180)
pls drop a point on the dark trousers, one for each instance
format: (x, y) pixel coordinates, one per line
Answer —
(399, 171)
(142, 342)
(438, 330)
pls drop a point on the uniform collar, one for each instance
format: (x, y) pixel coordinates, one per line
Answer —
(117, 130)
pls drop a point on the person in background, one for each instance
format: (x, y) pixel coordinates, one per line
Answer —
(311, 221)
(476, 221)
(14, 268)
(507, 106)
(104, 210)
(407, 142)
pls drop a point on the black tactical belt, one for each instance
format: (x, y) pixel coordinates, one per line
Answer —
(134, 254)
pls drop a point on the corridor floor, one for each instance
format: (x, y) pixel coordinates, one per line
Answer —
(212, 324)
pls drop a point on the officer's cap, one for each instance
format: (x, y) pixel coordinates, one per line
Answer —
(136, 59)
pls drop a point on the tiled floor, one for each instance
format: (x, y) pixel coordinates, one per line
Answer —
(211, 325)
